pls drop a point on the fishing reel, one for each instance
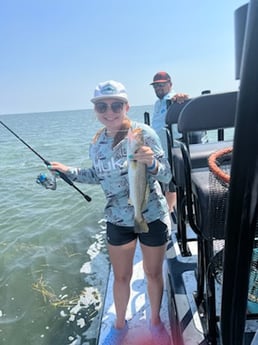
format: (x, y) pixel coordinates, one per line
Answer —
(47, 182)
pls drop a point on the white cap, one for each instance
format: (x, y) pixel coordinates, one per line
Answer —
(110, 89)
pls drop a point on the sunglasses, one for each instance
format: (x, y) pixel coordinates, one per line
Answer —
(102, 107)
(160, 84)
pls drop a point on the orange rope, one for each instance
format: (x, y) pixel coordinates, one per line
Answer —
(212, 161)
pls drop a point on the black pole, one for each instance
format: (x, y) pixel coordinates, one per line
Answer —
(61, 174)
(147, 118)
(243, 196)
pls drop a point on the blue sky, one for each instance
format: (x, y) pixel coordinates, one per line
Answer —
(54, 52)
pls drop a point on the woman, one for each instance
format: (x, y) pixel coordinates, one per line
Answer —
(109, 157)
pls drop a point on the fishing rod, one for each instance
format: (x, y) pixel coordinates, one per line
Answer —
(60, 173)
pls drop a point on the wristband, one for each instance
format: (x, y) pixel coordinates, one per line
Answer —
(153, 165)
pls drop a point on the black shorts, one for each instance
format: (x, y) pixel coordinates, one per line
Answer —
(157, 235)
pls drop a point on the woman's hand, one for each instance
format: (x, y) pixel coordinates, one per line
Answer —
(58, 166)
(145, 155)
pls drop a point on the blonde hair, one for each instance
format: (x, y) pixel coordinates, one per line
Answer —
(122, 132)
(120, 135)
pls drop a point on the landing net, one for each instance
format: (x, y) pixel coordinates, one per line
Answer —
(219, 180)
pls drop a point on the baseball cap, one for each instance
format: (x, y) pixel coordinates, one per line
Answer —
(161, 77)
(110, 89)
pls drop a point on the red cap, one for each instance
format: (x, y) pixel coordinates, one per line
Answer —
(161, 77)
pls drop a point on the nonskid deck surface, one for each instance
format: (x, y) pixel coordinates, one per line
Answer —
(181, 270)
(138, 312)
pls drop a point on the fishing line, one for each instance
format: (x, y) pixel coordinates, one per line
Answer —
(61, 174)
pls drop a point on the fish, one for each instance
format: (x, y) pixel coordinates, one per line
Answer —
(137, 178)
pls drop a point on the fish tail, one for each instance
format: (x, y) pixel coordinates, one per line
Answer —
(140, 225)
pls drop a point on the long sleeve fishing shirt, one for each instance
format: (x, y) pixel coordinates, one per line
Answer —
(158, 121)
(109, 169)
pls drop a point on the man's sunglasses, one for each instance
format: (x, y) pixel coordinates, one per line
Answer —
(155, 85)
(102, 107)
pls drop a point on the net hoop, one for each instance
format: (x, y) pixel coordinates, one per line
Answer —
(213, 164)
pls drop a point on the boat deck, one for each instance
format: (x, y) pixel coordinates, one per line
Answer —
(138, 312)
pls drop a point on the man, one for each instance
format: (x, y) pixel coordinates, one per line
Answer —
(162, 85)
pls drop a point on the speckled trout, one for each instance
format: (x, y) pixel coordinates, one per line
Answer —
(137, 176)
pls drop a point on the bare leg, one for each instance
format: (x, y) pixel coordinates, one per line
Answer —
(152, 263)
(121, 258)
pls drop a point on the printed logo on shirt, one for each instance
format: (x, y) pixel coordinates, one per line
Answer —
(104, 166)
